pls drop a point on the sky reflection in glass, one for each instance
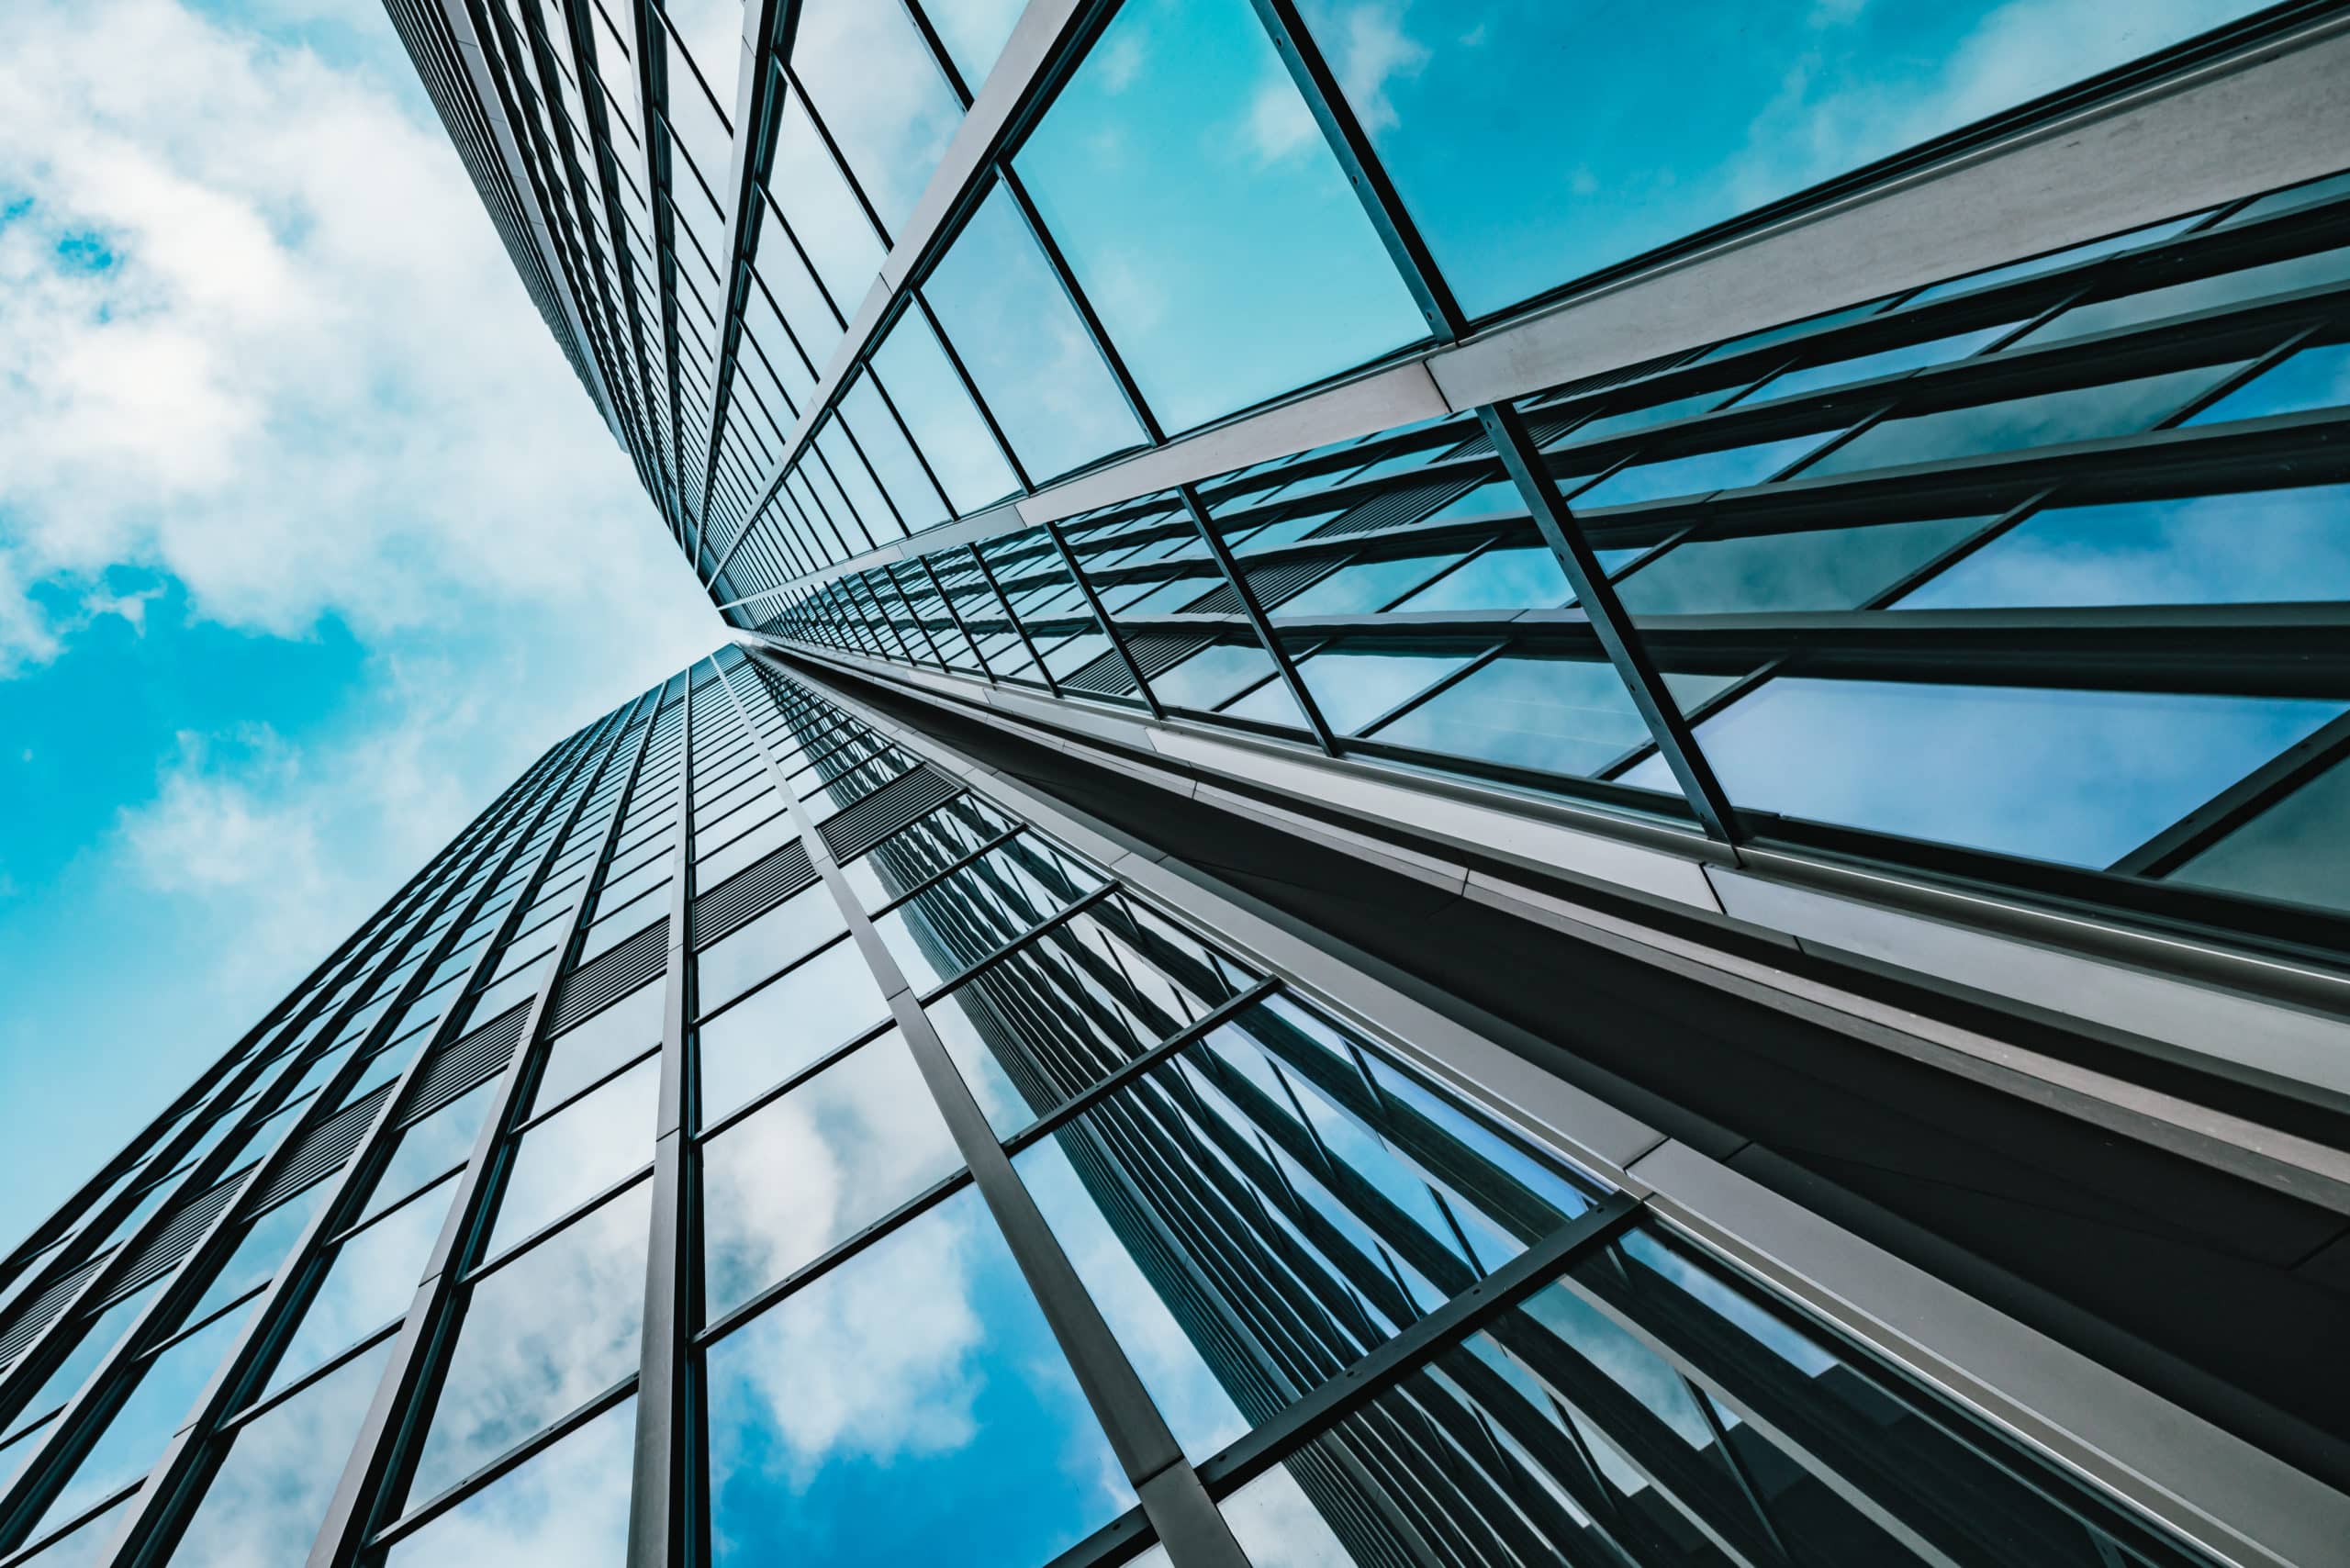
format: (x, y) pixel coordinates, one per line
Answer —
(879, 1412)
(565, 1507)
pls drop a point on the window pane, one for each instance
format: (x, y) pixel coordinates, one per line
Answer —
(2313, 378)
(876, 1413)
(2085, 413)
(105, 1330)
(80, 1549)
(578, 1152)
(578, 1057)
(1185, 179)
(565, 1507)
(1074, 1006)
(2268, 545)
(1699, 473)
(1675, 129)
(1213, 676)
(810, 1170)
(270, 1495)
(1523, 576)
(266, 1242)
(779, 1030)
(1553, 715)
(2077, 777)
(922, 849)
(541, 1338)
(135, 1435)
(441, 1142)
(938, 412)
(369, 1281)
(969, 913)
(1364, 587)
(741, 960)
(2298, 848)
(1819, 569)
(884, 444)
(973, 33)
(823, 213)
(1292, 1173)
(874, 81)
(1024, 346)
(1354, 686)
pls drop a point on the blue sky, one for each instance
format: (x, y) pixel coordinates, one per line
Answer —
(288, 588)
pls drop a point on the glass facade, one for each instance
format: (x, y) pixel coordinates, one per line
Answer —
(913, 1189)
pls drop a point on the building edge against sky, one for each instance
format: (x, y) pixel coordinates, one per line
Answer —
(1655, 857)
(808, 1138)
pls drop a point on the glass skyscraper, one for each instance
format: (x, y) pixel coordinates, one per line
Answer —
(1505, 783)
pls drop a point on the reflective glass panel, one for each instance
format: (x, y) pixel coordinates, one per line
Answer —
(1024, 346)
(541, 1338)
(877, 1412)
(1699, 473)
(1213, 676)
(946, 427)
(2077, 777)
(2084, 413)
(1818, 568)
(81, 1547)
(566, 1506)
(578, 1152)
(2313, 378)
(823, 212)
(1071, 1008)
(805, 1172)
(2265, 545)
(136, 1433)
(441, 1142)
(105, 1330)
(971, 912)
(1186, 229)
(1355, 685)
(265, 1503)
(266, 1242)
(1676, 130)
(922, 849)
(781, 1029)
(1364, 587)
(878, 87)
(1553, 715)
(2297, 848)
(973, 33)
(576, 1058)
(739, 961)
(370, 1280)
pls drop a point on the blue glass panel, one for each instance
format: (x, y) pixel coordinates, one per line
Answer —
(973, 33)
(1269, 704)
(825, 215)
(2298, 848)
(579, 1055)
(2292, 199)
(136, 1433)
(2321, 270)
(370, 1280)
(781, 1029)
(730, 966)
(541, 1336)
(1697, 473)
(1885, 361)
(565, 1507)
(959, 920)
(1364, 589)
(2313, 378)
(105, 1331)
(878, 89)
(1206, 217)
(2084, 413)
(946, 426)
(441, 1142)
(884, 444)
(805, 1172)
(2265, 545)
(1675, 128)
(1553, 715)
(2077, 777)
(81, 1547)
(1353, 688)
(1820, 569)
(265, 1503)
(1212, 675)
(881, 1410)
(266, 1242)
(578, 1152)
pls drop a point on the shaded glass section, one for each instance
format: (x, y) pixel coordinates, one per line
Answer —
(565, 1507)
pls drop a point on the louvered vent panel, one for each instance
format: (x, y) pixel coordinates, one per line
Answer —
(41, 1311)
(1394, 507)
(1269, 584)
(1104, 674)
(464, 1062)
(168, 1246)
(615, 974)
(754, 889)
(324, 1148)
(853, 831)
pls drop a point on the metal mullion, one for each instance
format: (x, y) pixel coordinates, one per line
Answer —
(955, 613)
(1147, 1450)
(389, 1418)
(36, 1362)
(1505, 429)
(1019, 627)
(652, 86)
(1238, 581)
(1101, 617)
(173, 1471)
(1054, 258)
(1318, 86)
(662, 1518)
